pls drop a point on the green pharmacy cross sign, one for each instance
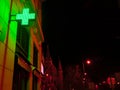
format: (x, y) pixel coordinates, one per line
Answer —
(25, 16)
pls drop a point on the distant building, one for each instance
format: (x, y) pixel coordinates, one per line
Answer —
(53, 76)
(91, 86)
(20, 45)
(117, 76)
(111, 81)
(73, 78)
(49, 80)
(60, 76)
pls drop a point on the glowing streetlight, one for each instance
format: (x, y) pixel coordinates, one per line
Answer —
(88, 62)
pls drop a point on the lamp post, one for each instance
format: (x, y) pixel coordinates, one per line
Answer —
(84, 71)
(84, 78)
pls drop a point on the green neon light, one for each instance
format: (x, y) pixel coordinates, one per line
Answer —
(25, 16)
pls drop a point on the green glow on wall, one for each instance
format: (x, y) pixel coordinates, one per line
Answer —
(25, 16)
(4, 16)
(4, 10)
(29, 51)
(12, 35)
(3, 31)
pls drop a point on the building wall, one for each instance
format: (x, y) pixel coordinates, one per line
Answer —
(8, 37)
(7, 46)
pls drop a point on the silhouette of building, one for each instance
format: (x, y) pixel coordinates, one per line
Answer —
(60, 75)
(49, 80)
(53, 76)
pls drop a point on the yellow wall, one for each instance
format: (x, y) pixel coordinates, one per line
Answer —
(7, 52)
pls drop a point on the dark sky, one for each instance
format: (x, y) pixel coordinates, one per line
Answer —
(76, 31)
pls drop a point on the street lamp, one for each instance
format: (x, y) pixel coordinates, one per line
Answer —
(88, 61)
(83, 65)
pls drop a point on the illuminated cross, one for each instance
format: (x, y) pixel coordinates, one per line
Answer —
(25, 16)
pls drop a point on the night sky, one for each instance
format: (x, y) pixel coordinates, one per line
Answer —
(77, 31)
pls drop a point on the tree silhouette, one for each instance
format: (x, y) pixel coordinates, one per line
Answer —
(73, 78)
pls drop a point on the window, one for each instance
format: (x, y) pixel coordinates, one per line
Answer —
(20, 78)
(42, 69)
(35, 56)
(22, 41)
(34, 82)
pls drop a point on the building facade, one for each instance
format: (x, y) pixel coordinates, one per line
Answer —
(20, 44)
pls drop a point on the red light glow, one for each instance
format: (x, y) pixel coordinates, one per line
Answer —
(88, 61)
